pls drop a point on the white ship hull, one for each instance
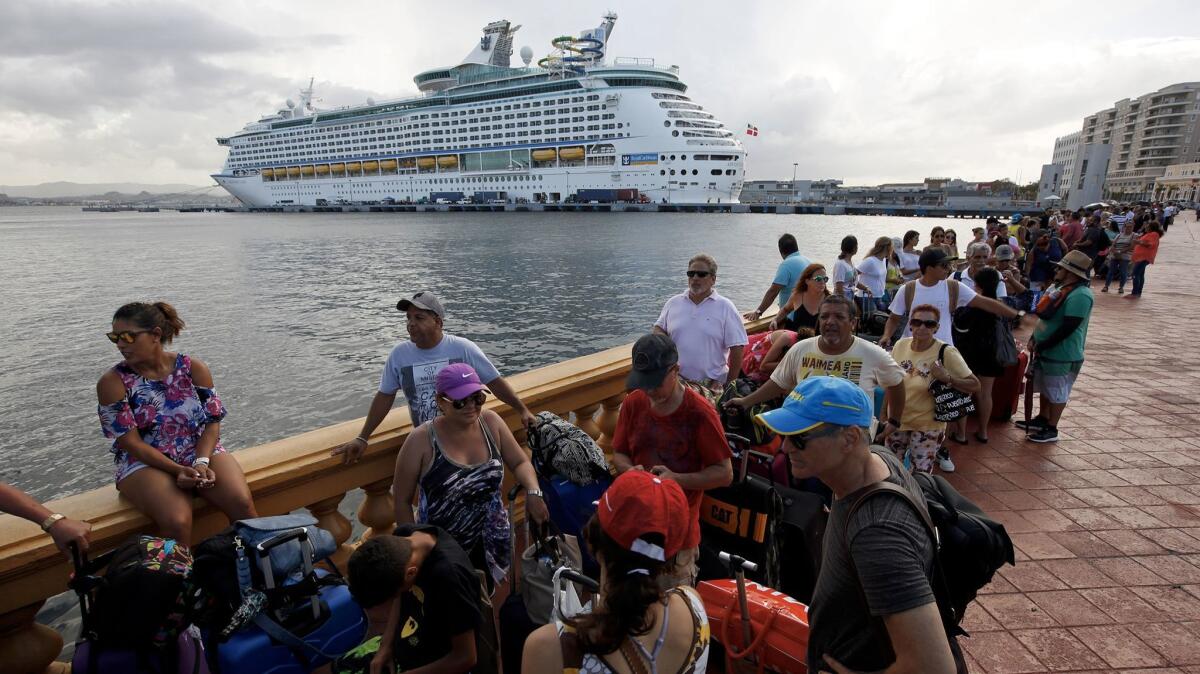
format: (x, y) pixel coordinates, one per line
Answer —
(486, 131)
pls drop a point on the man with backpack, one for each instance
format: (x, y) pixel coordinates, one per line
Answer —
(1057, 343)
(937, 289)
(874, 606)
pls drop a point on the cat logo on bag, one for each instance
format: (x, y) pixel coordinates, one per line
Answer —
(731, 519)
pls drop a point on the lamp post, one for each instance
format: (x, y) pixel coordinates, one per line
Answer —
(794, 165)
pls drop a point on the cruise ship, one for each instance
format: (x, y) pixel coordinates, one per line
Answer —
(571, 126)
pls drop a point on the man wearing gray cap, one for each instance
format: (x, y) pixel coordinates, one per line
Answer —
(413, 365)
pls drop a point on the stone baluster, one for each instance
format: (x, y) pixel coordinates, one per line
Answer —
(27, 647)
(607, 423)
(377, 511)
(329, 519)
(585, 418)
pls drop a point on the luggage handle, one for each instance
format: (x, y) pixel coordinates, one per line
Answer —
(736, 562)
(306, 551)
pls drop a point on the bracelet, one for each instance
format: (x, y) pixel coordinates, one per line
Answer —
(50, 521)
(361, 439)
(201, 461)
(893, 422)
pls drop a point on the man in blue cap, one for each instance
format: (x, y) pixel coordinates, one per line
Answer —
(873, 607)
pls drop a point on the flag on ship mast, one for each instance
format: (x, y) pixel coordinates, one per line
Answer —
(751, 130)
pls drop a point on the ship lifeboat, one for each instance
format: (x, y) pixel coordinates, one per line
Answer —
(293, 171)
(448, 161)
(388, 165)
(353, 167)
(571, 153)
(370, 166)
(426, 162)
(337, 169)
(267, 174)
(307, 170)
(322, 169)
(544, 155)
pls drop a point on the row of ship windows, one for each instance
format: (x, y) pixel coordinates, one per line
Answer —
(436, 132)
(715, 172)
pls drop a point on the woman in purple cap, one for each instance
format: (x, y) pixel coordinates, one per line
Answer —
(457, 459)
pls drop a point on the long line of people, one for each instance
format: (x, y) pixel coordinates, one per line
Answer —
(163, 414)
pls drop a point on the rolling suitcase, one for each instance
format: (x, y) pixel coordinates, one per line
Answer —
(515, 623)
(304, 625)
(1006, 390)
(571, 506)
(742, 519)
(182, 654)
(800, 532)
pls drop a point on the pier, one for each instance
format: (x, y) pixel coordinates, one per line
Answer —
(1106, 522)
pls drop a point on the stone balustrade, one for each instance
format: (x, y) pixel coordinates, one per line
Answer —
(296, 472)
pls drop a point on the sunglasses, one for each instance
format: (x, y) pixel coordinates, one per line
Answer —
(478, 397)
(126, 336)
(916, 323)
(820, 279)
(801, 439)
(701, 274)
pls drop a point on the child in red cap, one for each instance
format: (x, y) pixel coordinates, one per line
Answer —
(641, 523)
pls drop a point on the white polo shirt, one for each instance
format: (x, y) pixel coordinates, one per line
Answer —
(703, 333)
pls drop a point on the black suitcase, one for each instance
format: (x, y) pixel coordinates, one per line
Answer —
(514, 622)
(741, 519)
(800, 533)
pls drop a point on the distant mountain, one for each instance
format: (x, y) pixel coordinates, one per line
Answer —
(65, 189)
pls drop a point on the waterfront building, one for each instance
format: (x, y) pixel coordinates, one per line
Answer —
(1179, 182)
(788, 191)
(1050, 182)
(1065, 149)
(1092, 165)
(1146, 134)
(485, 130)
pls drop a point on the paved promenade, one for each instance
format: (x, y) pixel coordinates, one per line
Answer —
(1107, 521)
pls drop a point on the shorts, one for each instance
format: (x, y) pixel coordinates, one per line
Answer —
(919, 447)
(1056, 387)
(127, 465)
(683, 571)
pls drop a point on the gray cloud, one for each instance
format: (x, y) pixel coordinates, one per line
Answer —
(867, 92)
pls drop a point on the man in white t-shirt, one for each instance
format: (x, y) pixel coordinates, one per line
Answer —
(413, 366)
(936, 289)
(706, 328)
(978, 255)
(836, 353)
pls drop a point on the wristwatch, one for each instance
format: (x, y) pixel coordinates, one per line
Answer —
(536, 492)
(49, 521)
(1021, 313)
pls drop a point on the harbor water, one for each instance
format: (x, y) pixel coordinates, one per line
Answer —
(295, 313)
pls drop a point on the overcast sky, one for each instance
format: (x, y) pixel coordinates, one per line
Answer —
(863, 91)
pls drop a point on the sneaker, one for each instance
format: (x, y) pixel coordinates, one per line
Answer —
(1104, 289)
(1120, 291)
(946, 464)
(1032, 425)
(1045, 434)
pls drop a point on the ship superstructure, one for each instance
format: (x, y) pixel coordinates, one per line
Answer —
(572, 123)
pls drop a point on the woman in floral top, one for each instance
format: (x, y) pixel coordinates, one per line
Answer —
(163, 415)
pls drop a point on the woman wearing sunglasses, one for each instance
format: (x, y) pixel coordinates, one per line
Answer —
(924, 359)
(163, 415)
(805, 301)
(457, 461)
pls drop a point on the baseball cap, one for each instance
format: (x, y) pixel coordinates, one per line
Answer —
(933, 256)
(1016, 218)
(645, 514)
(653, 355)
(816, 401)
(457, 381)
(1004, 252)
(423, 300)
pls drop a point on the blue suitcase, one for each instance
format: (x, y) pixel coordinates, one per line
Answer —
(307, 635)
(571, 506)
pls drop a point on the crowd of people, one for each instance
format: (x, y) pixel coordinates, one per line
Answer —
(834, 392)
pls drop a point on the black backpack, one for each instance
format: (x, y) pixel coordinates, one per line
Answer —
(146, 596)
(970, 546)
(740, 421)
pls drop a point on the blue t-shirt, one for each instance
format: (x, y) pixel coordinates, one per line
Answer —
(788, 274)
(415, 370)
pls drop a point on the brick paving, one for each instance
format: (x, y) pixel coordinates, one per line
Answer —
(1107, 521)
